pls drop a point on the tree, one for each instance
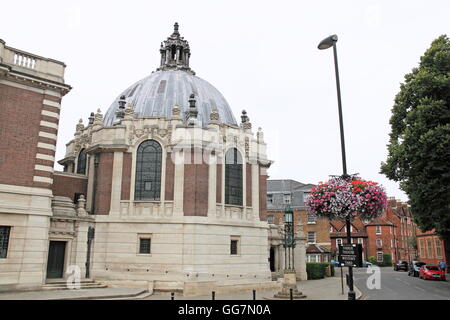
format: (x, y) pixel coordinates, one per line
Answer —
(419, 145)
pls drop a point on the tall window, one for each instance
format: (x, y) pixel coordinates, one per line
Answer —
(287, 198)
(379, 243)
(338, 242)
(145, 245)
(233, 177)
(270, 219)
(429, 249)
(148, 171)
(4, 241)
(378, 230)
(234, 245)
(311, 237)
(438, 248)
(81, 164)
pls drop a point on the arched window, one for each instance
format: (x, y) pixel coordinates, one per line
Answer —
(233, 177)
(81, 164)
(148, 171)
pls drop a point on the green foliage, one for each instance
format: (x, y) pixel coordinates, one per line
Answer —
(419, 145)
(412, 242)
(372, 260)
(316, 270)
(387, 260)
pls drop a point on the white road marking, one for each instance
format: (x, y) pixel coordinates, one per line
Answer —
(419, 288)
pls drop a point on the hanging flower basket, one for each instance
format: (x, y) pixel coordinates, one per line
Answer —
(347, 196)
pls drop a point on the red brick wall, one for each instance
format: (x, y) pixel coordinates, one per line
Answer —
(219, 183)
(386, 236)
(195, 196)
(20, 111)
(67, 186)
(170, 177)
(423, 251)
(104, 183)
(249, 185)
(262, 194)
(126, 177)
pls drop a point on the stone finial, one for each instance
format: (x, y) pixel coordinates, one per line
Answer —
(245, 120)
(81, 206)
(80, 125)
(98, 116)
(120, 114)
(91, 118)
(176, 111)
(191, 115)
(98, 119)
(214, 115)
(175, 29)
(129, 111)
(260, 135)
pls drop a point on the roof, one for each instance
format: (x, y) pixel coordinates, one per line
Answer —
(279, 187)
(157, 94)
(315, 248)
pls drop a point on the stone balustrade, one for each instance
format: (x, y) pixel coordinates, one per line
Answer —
(38, 66)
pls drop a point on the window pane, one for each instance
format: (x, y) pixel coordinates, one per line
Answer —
(81, 164)
(4, 241)
(234, 247)
(233, 177)
(148, 171)
(144, 246)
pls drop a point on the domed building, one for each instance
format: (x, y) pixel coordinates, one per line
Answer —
(170, 188)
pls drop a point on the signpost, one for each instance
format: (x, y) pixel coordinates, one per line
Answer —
(350, 255)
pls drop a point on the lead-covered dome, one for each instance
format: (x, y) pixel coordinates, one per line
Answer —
(157, 94)
(172, 84)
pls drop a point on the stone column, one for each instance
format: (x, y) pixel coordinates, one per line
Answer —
(116, 187)
(255, 191)
(90, 186)
(178, 189)
(212, 185)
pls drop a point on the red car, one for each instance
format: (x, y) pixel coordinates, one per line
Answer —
(431, 272)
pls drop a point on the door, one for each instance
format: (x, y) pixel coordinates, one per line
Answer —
(55, 263)
(272, 259)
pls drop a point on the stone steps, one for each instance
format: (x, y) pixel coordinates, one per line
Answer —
(62, 285)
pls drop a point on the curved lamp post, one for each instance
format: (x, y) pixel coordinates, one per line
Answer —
(325, 44)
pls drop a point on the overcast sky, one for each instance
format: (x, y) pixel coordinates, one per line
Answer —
(261, 55)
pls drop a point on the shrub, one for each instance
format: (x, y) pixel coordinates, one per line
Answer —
(316, 270)
(387, 260)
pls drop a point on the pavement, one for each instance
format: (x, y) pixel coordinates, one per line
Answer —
(397, 285)
(321, 289)
(80, 294)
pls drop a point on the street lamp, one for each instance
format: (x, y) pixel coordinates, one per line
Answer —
(289, 289)
(325, 44)
(289, 239)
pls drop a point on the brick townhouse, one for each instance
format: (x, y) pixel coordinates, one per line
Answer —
(281, 193)
(432, 249)
(391, 233)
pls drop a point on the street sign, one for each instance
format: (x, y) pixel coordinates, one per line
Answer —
(350, 255)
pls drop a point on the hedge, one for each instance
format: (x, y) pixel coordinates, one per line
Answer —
(387, 260)
(317, 270)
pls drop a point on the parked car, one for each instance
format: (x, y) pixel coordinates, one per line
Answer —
(367, 264)
(431, 272)
(414, 267)
(401, 265)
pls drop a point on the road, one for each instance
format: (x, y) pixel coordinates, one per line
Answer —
(397, 285)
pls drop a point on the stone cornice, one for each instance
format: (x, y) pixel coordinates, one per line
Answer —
(106, 148)
(8, 73)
